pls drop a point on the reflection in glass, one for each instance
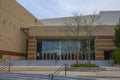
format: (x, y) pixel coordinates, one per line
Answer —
(60, 46)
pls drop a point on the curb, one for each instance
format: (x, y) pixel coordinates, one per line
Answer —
(101, 76)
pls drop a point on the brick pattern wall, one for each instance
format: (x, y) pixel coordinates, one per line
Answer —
(32, 47)
(103, 43)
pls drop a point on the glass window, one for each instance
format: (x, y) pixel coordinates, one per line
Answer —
(60, 46)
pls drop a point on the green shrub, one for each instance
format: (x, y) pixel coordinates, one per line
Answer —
(116, 56)
(84, 65)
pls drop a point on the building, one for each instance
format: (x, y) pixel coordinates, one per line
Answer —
(52, 34)
(13, 17)
(55, 40)
(23, 36)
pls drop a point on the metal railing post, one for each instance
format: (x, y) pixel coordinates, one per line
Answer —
(65, 69)
(9, 67)
(51, 76)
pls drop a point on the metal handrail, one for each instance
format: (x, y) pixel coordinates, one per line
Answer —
(6, 66)
(51, 76)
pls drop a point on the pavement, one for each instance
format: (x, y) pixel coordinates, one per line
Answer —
(100, 75)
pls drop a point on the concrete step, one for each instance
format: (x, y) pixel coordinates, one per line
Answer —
(55, 62)
(32, 68)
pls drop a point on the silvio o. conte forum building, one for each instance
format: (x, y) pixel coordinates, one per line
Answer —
(23, 36)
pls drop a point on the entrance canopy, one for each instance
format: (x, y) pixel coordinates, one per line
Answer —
(61, 32)
(52, 31)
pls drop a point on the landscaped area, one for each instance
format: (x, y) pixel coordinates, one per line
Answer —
(83, 65)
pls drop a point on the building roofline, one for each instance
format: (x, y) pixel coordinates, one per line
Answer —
(60, 25)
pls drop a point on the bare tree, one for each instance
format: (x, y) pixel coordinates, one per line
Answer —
(73, 28)
(92, 24)
(86, 24)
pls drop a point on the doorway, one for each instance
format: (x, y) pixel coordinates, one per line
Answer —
(108, 54)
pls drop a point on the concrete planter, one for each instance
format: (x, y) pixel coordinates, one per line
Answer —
(85, 69)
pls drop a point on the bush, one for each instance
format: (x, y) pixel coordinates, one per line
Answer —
(116, 56)
(84, 65)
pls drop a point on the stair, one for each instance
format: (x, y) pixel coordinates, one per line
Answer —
(54, 62)
(21, 76)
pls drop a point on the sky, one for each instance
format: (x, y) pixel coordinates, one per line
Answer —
(43, 9)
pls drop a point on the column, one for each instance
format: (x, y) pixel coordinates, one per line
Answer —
(70, 56)
(42, 56)
(74, 56)
(46, 56)
(59, 49)
(50, 56)
(103, 43)
(32, 48)
(78, 56)
(53, 56)
(67, 56)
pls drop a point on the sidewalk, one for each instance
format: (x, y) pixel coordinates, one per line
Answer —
(101, 75)
(112, 73)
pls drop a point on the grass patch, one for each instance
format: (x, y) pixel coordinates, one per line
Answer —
(84, 65)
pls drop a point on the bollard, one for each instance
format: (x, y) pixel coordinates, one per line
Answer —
(51, 76)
